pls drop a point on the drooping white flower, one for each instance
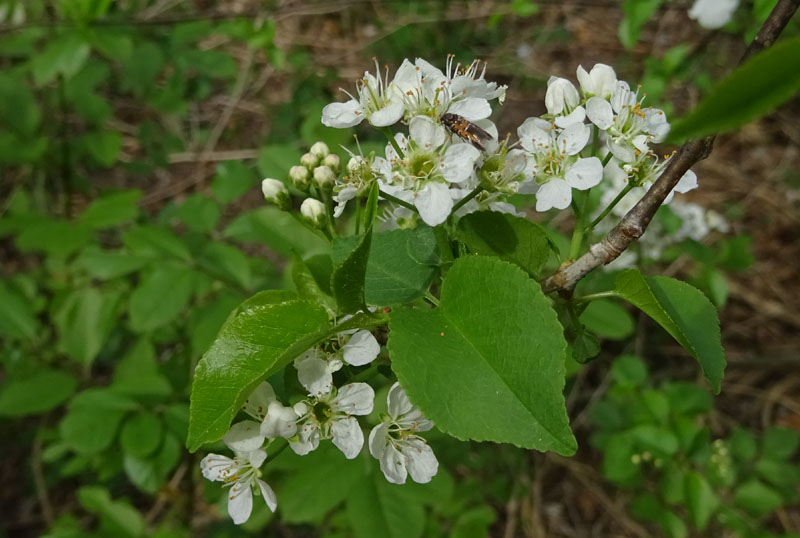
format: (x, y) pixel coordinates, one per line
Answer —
(375, 100)
(601, 81)
(559, 168)
(395, 444)
(242, 474)
(629, 127)
(330, 415)
(713, 14)
(276, 420)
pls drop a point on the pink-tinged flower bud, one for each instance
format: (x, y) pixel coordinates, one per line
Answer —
(300, 177)
(333, 162)
(319, 150)
(310, 161)
(324, 178)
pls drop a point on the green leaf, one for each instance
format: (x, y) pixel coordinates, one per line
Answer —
(149, 474)
(757, 498)
(400, 267)
(107, 265)
(254, 344)
(118, 518)
(137, 373)
(56, 237)
(377, 508)
(93, 416)
(19, 109)
(103, 146)
(43, 391)
(112, 210)
(17, 318)
(780, 443)
(84, 321)
(608, 320)
(307, 286)
(205, 321)
(350, 272)
(510, 238)
(275, 160)
(474, 523)
(629, 370)
(155, 241)
(141, 434)
(637, 12)
(276, 229)
(199, 213)
(754, 89)
(160, 297)
(62, 56)
(302, 500)
(684, 312)
(700, 500)
(228, 262)
(233, 179)
(488, 364)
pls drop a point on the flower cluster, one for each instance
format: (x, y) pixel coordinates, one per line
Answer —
(326, 412)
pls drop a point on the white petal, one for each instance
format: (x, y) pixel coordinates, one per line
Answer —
(560, 95)
(426, 133)
(280, 421)
(656, 124)
(388, 115)
(505, 207)
(555, 193)
(421, 462)
(528, 187)
(354, 399)
(622, 96)
(379, 440)
(240, 502)
(574, 138)
(256, 458)
(361, 349)
(687, 182)
(347, 436)
(576, 116)
(314, 373)
(713, 14)
(434, 203)
(244, 436)
(306, 441)
(391, 154)
(459, 162)
(217, 468)
(268, 494)
(393, 465)
(534, 134)
(622, 151)
(406, 78)
(256, 405)
(398, 402)
(599, 112)
(585, 173)
(471, 108)
(342, 115)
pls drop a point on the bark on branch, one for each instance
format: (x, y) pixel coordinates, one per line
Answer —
(635, 222)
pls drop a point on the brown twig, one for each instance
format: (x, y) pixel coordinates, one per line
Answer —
(635, 222)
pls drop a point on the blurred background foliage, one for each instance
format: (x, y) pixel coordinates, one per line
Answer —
(133, 137)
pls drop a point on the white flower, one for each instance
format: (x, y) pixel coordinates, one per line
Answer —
(559, 168)
(361, 173)
(395, 444)
(427, 91)
(361, 348)
(315, 370)
(713, 14)
(629, 127)
(242, 474)
(600, 81)
(275, 419)
(428, 166)
(330, 415)
(376, 101)
(506, 171)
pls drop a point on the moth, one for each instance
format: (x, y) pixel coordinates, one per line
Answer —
(466, 130)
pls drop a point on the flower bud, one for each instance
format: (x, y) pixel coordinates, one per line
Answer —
(333, 162)
(300, 177)
(324, 178)
(276, 193)
(309, 160)
(319, 150)
(314, 212)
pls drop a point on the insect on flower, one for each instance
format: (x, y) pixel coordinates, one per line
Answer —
(466, 130)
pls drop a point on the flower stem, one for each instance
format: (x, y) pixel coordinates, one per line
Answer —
(431, 298)
(443, 242)
(579, 208)
(595, 296)
(398, 201)
(475, 192)
(358, 215)
(607, 158)
(611, 206)
(390, 136)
